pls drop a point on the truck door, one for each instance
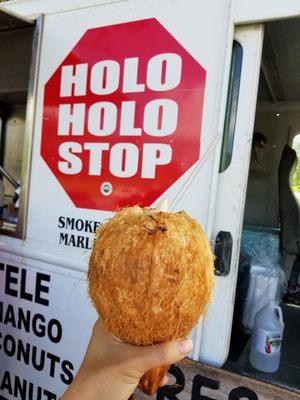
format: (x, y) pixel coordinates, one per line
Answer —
(231, 192)
(157, 136)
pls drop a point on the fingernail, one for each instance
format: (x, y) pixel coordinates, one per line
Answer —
(185, 346)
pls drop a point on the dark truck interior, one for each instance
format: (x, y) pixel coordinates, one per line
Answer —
(16, 38)
(270, 245)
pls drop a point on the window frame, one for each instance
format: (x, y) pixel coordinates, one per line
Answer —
(20, 231)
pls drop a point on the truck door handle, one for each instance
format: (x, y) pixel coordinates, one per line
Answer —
(223, 251)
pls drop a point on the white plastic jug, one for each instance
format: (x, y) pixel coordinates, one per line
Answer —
(267, 338)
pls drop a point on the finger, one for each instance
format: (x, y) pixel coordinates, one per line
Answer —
(164, 381)
(147, 357)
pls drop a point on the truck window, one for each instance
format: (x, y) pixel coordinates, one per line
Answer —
(231, 105)
(16, 50)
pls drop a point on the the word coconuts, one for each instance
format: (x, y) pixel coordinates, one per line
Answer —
(150, 275)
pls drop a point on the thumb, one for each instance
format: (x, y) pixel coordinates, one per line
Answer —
(147, 357)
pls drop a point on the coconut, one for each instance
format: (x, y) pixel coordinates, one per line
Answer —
(150, 277)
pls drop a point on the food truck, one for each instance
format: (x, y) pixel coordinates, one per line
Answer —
(109, 103)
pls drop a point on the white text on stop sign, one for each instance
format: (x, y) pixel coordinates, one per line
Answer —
(104, 118)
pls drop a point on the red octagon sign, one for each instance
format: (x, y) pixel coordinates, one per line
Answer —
(122, 116)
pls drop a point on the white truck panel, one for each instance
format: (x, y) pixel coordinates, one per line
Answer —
(257, 11)
(206, 32)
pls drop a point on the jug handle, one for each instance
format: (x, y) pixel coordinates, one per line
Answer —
(279, 313)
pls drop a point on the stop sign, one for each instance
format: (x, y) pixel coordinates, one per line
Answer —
(122, 116)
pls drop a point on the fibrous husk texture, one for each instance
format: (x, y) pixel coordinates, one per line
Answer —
(151, 379)
(150, 275)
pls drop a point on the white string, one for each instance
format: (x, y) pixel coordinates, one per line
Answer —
(194, 173)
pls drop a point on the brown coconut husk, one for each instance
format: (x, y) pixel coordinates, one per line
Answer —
(150, 278)
(150, 381)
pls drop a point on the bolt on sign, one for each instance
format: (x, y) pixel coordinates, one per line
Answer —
(122, 116)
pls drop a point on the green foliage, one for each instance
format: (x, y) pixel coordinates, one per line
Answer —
(296, 176)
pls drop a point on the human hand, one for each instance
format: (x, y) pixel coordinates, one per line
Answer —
(111, 370)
